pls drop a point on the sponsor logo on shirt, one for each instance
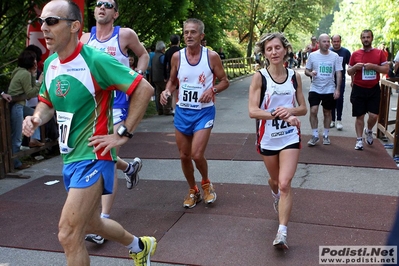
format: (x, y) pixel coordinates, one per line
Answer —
(62, 89)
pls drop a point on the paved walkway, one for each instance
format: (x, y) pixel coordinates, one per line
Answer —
(232, 117)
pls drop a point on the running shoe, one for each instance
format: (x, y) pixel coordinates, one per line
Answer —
(133, 179)
(369, 136)
(95, 239)
(313, 141)
(280, 241)
(192, 199)
(332, 124)
(209, 193)
(326, 140)
(339, 125)
(359, 145)
(143, 258)
(275, 204)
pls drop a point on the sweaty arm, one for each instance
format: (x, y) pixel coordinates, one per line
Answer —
(218, 70)
(139, 100)
(130, 40)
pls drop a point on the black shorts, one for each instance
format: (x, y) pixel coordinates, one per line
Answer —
(273, 152)
(365, 100)
(326, 100)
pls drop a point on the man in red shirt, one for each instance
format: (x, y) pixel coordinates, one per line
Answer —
(365, 67)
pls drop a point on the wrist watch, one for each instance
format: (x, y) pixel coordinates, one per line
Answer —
(215, 90)
(272, 111)
(122, 131)
(140, 72)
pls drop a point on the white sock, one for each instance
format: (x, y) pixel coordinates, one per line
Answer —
(315, 132)
(104, 215)
(129, 169)
(134, 246)
(276, 196)
(282, 229)
(326, 131)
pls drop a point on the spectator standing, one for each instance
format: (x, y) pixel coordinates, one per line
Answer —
(204, 43)
(78, 86)
(291, 59)
(151, 54)
(321, 67)
(365, 67)
(116, 41)
(157, 73)
(23, 83)
(299, 58)
(304, 58)
(174, 47)
(276, 112)
(221, 53)
(195, 69)
(344, 57)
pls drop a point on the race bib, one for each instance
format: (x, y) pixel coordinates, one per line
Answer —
(278, 128)
(189, 94)
(368, 74)
(325, 70)
(64, 120)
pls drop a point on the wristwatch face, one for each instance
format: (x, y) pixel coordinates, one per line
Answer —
(121, 130)
(215, 90)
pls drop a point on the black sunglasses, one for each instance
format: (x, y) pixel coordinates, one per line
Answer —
(107, 5)
(50, 21)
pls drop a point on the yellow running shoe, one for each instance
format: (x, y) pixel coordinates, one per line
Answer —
(143, 258)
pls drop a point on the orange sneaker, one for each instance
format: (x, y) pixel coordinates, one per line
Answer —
(209, 193)
(192, 199)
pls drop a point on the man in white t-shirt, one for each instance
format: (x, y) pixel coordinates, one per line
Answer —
(321, 66)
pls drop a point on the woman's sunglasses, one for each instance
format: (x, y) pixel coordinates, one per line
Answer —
(50, 21)
(107, 5)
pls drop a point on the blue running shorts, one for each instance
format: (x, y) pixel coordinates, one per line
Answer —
(119, 114)
(189, 121)
(84, 174)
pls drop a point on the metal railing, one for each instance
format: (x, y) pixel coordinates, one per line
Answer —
(388, 128)
(237, 67)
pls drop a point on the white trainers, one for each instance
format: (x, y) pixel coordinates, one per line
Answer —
(369, 136)
(339, 125)
(280, 241)
(313, 141)
(359, 145)
(332, 124)
(326, 140)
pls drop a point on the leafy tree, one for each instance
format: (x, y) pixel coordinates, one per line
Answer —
(354, 16)
(288, 16)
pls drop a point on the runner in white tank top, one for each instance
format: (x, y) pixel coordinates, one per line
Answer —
(278, 139)
(194, 69)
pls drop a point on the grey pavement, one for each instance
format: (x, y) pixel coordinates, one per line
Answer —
(231, 117)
